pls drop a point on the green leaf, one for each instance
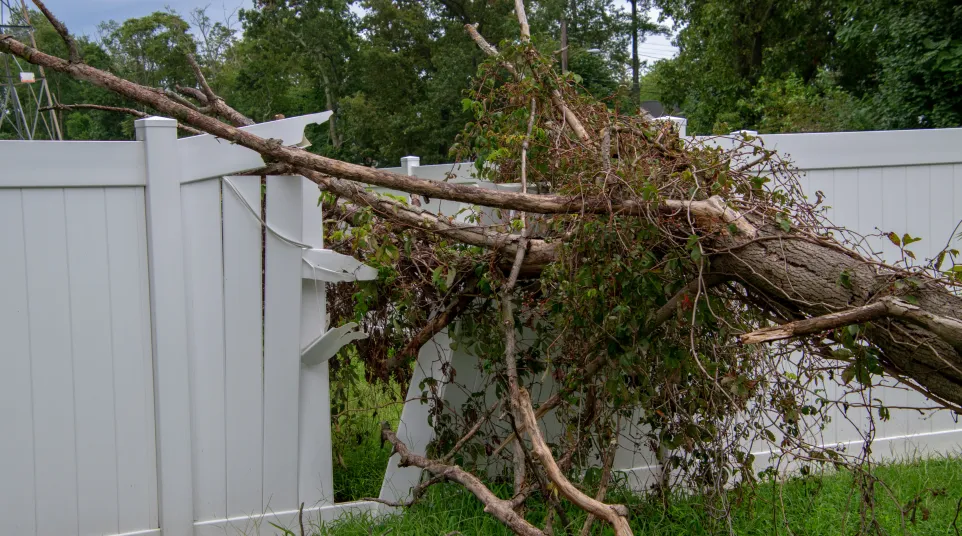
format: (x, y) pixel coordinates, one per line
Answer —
(452, 274)
(845, 279)
(848, 374)
(908, 239)
(894, 238)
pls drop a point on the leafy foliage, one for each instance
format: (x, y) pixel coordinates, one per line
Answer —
(856, 65)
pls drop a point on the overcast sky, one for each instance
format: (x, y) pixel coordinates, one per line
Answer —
(82, 16)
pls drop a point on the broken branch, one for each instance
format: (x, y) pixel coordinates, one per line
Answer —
(501, 509)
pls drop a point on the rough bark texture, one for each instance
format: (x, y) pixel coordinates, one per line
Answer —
(816, 279)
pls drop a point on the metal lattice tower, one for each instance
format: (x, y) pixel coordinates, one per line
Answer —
(23, 86)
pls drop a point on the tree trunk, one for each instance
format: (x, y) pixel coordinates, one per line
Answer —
(816, 279)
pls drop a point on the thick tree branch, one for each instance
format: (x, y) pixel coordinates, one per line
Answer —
(522, 20)
(708, 212)
(616, 515)
(501, 509)
(949, 329)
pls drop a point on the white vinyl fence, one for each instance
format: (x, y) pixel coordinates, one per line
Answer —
(901, 181)
(147, 386)
(164, 368)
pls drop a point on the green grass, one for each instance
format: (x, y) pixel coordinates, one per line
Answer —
(804, 506)
(359, 457)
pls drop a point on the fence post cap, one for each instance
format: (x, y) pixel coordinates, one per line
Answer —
(155, 121)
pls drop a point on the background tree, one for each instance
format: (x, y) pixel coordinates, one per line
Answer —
(851, 65)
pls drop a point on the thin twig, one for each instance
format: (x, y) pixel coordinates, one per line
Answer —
(300, 519)
(607, 463)
(510, 335)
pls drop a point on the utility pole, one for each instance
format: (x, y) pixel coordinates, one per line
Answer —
(635, 85)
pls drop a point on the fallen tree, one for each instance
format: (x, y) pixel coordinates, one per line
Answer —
(657, 265)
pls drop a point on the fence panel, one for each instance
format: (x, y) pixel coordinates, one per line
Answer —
(77, 452)
(132, 287)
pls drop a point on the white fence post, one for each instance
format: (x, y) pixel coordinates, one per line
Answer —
(408, 163)
(680, 123)
(165, 261)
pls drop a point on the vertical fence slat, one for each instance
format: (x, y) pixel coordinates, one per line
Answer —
(943, 184)
(89, 279)
(821, 180)
(282, 343)
(55, 462)
(201, 206)
(130, 340)
(316, 471)
(244, 343)
(17, 499)
(168, 325)
(894, 218)
(957, 200)
(147, 345)
(917, 209)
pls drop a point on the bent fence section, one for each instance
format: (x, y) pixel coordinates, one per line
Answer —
(152, 378)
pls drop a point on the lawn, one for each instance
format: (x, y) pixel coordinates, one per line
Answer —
(826, 505)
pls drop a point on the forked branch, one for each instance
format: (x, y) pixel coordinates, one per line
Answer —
(616, 515)
(501, 509)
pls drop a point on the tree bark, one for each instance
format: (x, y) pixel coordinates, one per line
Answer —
(818, 279)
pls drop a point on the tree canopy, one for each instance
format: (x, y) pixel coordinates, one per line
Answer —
(814, 65)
